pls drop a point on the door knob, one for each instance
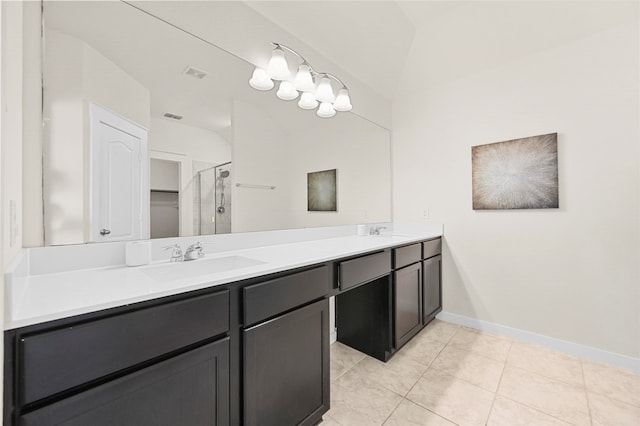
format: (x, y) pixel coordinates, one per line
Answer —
(104, 231)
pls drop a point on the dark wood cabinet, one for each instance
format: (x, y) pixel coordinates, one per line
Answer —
(407, 286)
(364, 318)
(378, 316)
(252, 352)
(188, 389)
(432, 288)
(59, 359)
(286, 368)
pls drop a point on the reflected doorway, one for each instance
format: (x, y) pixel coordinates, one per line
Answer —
(164, 198)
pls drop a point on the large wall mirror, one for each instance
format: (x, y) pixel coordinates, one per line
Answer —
(151, 132)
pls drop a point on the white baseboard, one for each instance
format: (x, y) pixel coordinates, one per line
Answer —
(583, 351)
(333, 337)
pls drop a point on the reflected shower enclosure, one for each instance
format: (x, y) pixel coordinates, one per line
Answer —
(213, 200)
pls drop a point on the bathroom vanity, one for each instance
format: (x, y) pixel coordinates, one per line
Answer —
(234, 352)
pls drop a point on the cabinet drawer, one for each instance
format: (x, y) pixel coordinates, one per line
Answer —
(58, 360)
(189, 389)
(403, 256)
(363, 269)
(270, 298)
(431, 248)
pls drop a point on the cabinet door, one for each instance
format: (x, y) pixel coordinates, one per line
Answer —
(286, 368)
(188, 389)
(432, 302)
(407, 291)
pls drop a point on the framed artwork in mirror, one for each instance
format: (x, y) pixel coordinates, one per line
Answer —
(321, 191)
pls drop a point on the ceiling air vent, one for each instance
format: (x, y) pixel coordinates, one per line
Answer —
(195, 72)
(173, 116)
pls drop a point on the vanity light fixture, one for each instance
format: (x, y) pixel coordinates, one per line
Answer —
(303, 84)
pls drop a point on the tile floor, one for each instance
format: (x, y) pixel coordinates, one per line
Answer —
(451, 375)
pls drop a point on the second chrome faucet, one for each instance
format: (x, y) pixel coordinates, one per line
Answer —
(193, 252)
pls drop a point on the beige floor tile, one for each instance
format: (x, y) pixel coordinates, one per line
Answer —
(451, 398)
(410, 414)
(609, 412)
(616, 383)
(438, 330)
(469, 366)
(398, 374)
(547, 362)
(510, 413)
(484, 344)
(327, 420)
(358, 401)
(422, 349)
(342, 358)
(555, 398)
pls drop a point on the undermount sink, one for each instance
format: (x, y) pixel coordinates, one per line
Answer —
(193, 268)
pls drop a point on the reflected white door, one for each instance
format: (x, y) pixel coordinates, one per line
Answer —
(119, 178)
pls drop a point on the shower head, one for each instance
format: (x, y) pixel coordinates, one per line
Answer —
(224, 174)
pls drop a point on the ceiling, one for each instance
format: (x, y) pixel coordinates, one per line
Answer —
(370, 40)
(367, 41)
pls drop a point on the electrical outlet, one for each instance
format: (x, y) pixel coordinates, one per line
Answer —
(425, 214)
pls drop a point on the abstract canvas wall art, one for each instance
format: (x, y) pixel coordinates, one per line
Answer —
(516, 174)
(321, 191)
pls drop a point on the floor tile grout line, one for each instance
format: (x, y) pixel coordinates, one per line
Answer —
(392, 411)
(475, 353)
(431, 411)
(495, 394)
(573, 385)
(586, 394)
(538, 409)
(435, 357)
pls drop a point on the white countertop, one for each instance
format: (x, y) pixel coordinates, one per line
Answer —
(34, 299)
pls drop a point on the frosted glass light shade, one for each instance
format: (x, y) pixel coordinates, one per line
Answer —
(326, 110)
(342, 103)
(304, 80)
(307, 101)
(286, 91)
(260, 80)
(324, 92)
(278, 68)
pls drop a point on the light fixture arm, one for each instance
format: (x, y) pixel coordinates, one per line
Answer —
(305, 62)
(288, 49)
(328, 74)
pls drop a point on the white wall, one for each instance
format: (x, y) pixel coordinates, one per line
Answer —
(11, 129)
(32, 235)
(192, 142)
(571, 273)
(260, 157)
(164, 175)
(76, 75)
(359, 150)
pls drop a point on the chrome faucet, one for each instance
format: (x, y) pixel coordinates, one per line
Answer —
(176, 254)
(194, 251)
(375, 230)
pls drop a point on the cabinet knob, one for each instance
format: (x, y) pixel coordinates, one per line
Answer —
(104, 231)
